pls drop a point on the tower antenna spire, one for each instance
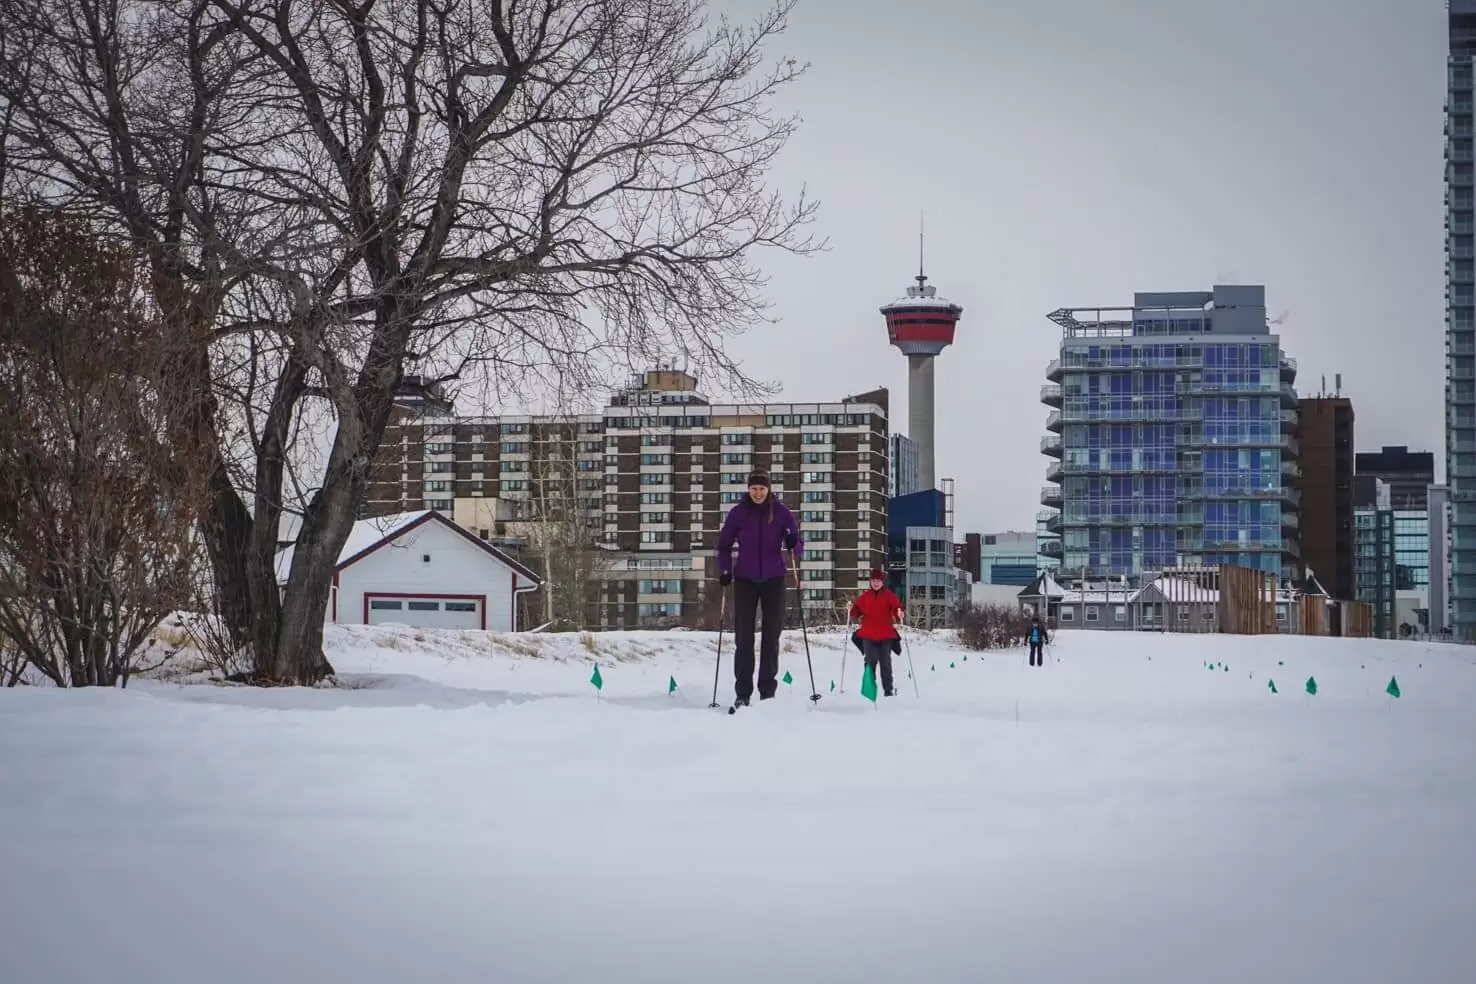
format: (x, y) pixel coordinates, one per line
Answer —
(922, 278)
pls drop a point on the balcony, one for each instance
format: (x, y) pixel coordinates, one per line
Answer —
(1053, 421)
(1289, 421)
(1291, 446)
(1288, 369)
(1289, 394)
(1052, 548)
(1053, 370)
(1461, 374)
(1290, 470)
(1053, 525)
(1291, 520)
(1053, 472)
(1050, 495)
(1051, 445)
(1050, 395)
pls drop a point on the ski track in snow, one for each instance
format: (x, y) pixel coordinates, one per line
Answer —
(464, 808)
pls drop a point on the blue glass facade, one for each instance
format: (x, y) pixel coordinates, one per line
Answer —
(1176, 437)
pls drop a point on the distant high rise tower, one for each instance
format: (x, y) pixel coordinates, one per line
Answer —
(1460, 315)
(921, 325)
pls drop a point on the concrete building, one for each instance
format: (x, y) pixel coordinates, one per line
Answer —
(1008, 558)
(902, 472)
(643, 487)
(921, 325)
(1460, 316)
(1439, 525)
(1324, 477)
(1409, 474)
(1176, 419)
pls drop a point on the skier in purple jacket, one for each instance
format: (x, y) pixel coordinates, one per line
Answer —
(763, 528)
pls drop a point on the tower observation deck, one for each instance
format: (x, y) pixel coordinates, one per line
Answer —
(921, 325)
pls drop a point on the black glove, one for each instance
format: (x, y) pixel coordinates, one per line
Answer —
(789, 541)
(725, 579)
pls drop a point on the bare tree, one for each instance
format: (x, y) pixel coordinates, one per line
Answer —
(562, 519)
(329, 192)
(96, 493)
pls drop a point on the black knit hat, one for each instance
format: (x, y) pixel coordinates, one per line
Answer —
(759, 478)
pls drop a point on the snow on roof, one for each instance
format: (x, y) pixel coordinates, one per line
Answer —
(1181, 590)
(927, 302)
(365, 534)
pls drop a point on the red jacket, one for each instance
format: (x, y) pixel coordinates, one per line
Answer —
(876, 610)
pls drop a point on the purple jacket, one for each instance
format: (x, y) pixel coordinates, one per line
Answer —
(759, 533)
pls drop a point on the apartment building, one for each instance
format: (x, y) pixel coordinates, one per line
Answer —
(1173, 434)
(629, 501)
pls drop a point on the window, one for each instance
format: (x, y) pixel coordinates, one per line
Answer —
(1091, 613)
(655, 459)
(380, 605)
(1119, 613)
(1068, 615)
(1183, 614)
(424, 606)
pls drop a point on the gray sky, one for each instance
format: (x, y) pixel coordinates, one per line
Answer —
(1068, 153)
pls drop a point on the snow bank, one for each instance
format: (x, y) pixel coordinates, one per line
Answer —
(465, 809)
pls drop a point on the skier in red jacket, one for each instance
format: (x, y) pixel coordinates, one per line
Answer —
(879, 611)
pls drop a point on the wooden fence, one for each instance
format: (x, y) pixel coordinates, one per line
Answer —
(1247, 601)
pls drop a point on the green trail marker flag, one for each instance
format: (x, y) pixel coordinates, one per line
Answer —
(671, 685)
(952, 666)
(596, 679)
(1271, 686)
(832, 686)
(788, 679)
(1393, 688)
(868, 684)
(1312, 686)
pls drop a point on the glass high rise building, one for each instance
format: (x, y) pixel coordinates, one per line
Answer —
(1460, 328)
(1174, 436)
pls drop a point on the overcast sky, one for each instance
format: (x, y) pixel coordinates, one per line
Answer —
(1068, 153)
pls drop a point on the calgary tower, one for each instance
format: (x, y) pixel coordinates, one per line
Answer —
(921, 325)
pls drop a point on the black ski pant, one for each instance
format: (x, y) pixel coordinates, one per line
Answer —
(748, 598)
(1037, 654)
(879, 651)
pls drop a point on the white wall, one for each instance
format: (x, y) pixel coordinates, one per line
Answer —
(456, 567)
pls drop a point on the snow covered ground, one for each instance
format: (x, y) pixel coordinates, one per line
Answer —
(465, 809)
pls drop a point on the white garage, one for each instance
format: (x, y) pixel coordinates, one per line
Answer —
(423, 570)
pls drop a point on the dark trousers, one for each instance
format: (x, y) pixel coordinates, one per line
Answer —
(879, 651)
(1037, 654)
(748, 598)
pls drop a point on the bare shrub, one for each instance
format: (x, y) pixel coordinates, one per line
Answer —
(98, 489)
(992, 626)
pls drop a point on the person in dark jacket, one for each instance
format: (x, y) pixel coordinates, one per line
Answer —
(762, 528)
(1037, 637)
(879, 611)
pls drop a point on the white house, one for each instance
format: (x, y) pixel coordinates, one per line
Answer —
(420, 568)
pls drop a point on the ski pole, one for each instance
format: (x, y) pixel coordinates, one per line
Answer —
(845, 651)
(718, 668)
(907, 645)
(804, 629)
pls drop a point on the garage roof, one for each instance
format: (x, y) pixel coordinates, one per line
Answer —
(368, 535)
